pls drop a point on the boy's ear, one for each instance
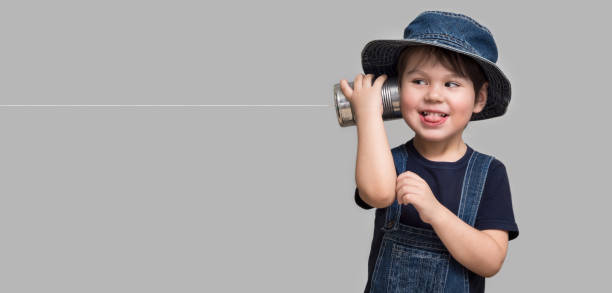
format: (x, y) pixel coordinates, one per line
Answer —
(481, 98)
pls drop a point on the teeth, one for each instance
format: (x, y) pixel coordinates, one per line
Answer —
(438, 114)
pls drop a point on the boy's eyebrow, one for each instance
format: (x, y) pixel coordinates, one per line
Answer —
(423, 73)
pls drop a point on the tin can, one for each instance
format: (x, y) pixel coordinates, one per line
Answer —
(390, 102)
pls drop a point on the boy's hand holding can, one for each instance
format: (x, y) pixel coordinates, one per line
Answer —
(365, 97)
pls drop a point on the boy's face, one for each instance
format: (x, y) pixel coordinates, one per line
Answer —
(431, 86)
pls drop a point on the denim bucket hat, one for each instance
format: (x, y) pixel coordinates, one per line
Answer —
(452, 31)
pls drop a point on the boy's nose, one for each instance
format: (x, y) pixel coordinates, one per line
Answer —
(434, 95)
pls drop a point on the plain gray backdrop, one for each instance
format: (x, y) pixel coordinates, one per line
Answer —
(234, 199)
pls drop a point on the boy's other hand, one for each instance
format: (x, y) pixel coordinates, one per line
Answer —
(365, 97)
(412, 189)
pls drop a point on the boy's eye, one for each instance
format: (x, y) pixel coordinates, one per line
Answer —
(448, 84)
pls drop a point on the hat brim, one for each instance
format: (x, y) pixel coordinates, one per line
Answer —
(380, 57)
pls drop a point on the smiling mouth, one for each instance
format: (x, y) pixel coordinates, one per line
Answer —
(425, 114)
(433, 119)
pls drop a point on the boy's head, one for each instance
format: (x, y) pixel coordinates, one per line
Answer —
(454, 41)
(440, 90)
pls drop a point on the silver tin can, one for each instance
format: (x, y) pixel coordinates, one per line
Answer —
(390, 102)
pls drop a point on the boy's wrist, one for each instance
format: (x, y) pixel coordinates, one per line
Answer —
(367, 115)
(442, 216)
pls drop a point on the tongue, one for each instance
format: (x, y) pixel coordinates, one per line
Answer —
(433, 118)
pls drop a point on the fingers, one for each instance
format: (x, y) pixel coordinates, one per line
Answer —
(407, 188)
(403, 198)
(380, 81)
(361, 81)
(347, 91)
(367, 80)
(358, 82)
(407, 194)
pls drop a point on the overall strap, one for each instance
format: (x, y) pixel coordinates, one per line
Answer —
(473, 185)
(393, 212)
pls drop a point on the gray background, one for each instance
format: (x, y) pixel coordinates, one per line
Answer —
(230, 199)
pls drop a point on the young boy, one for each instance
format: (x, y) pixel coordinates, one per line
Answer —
(444, 211)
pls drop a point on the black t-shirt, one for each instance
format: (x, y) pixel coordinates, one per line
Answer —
(445, 180)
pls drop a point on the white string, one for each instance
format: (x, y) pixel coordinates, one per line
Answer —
(153, 105)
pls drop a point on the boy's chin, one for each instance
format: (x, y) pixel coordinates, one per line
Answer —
(433, 135)
(431, 138)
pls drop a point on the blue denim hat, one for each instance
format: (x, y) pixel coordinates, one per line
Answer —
(452, 31)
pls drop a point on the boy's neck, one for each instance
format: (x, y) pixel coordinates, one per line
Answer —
(443, 151)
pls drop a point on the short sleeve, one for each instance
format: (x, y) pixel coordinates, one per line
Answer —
(495, 209)
(360, 201)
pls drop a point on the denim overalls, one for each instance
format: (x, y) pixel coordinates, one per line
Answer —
(413, 259)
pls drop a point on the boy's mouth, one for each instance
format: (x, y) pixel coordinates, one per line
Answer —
(425, 113)
(433, 118)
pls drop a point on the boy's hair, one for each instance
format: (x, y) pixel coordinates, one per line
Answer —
(456, 62)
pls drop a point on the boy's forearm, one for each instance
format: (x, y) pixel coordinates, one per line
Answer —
(472, 248)
(375, 172)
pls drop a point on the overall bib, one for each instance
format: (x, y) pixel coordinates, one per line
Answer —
(413, 259)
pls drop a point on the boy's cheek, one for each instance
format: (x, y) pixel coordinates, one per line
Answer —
(407, 109)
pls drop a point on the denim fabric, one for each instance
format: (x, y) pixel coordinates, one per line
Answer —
(414, 259)
(454, 30)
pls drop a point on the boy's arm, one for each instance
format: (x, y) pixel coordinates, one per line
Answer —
(482, 252)
(375, 171)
